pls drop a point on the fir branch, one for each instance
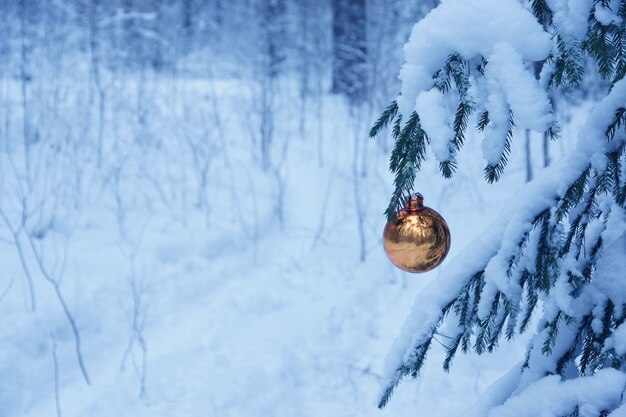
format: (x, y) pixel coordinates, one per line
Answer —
(466, 307)
(588, 352)
(600, 49)
(592, 356)
(461, 118)
(614, 172)
(525, 276)
(572, 196)
(385, 118)
(477, 284)
(481, 67)
(568, 65)
(412, 369)
(397, 128)
(579, 223)
(620, 72)
(553, 331)
(456, 68)
(553, 132)
(459, 126)
(532, 296)
(483, 121)
(498, 325)
(447, 168)
(618, 43)
(618, 121)
(546, 255)
(577, 207)
(441, 81)
(406, 158)
(578, 281)
(570, 355)
(542, 12)
(494, 172)
(384, 399)
(451, 351)
(564, 360)
(398, 150)
(486, 325)
(604, 180)
(619, 183)
(526, 363)
(418, 356)
(453, 70)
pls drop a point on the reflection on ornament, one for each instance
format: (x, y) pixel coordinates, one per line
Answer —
(419, 239)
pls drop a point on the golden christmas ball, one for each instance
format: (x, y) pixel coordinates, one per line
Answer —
(418, 239)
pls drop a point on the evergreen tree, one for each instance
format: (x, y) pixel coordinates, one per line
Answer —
(558, 256)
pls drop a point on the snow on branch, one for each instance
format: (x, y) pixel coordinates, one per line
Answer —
(492, 273)
(528, 101)
(470, 28)
(589, 396)
(570, 18)
(467, 56)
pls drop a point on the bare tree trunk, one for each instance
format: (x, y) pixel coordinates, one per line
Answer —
(55, 362)
(349, 49)
(528, 154)
(546, 150)
(128, 29)
(357, 178)
(306, 59)
(95, 74)
(136, 321)
(319, 117)
(24, 79)
(187, 25)
(267, 120)
(273, 27)
(157, 51)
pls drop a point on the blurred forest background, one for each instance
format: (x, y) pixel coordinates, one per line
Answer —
(190, 209)
(88, 85)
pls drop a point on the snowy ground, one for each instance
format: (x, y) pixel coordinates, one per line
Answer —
(235, 314)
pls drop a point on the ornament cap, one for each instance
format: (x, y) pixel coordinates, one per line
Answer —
(415, 202)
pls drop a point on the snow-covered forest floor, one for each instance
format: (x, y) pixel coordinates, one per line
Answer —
(202, 284)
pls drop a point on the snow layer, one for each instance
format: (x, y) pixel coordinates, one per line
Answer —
(495, 132)
(529, 102)
(470, 28)
(496, 394)
(435, 119)
(609, 275)
(619, 340)
(570, 18)
(551, 397)
(239, 319)
(606, 16)
(619, 412)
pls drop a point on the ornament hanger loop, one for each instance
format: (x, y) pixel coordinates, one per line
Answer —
(414, 203)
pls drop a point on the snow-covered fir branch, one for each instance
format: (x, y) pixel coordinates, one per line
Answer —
(557, 253)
